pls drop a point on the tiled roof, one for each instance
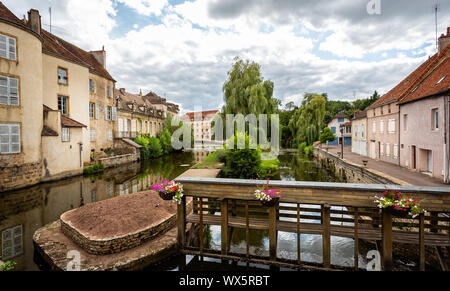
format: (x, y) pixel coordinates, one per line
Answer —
(47, 131)
(128, 98)
(69, 122)
(5, 13)
(429, 86)
(153, 98)
(360, 115)
(398, 91)
(60, 47)
(191, 115)
(341, 115)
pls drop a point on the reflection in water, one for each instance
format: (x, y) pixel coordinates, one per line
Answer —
(23, 212)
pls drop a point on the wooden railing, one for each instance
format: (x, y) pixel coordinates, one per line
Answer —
(327, 209)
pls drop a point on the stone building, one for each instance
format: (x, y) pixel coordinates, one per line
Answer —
(201, 123)
(46, 88)
(137, 115)
(425, 116)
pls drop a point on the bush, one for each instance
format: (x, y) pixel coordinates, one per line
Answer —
(154, 148)
(142, 141)
(166, 141)
(242, 164)
(301, 148)
(327, 135)
(309, 150)
(93, 169)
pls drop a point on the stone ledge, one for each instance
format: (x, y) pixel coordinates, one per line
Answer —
(101, 245)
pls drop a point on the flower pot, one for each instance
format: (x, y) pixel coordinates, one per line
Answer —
(397, 213)
(270, 203)
(167, 196)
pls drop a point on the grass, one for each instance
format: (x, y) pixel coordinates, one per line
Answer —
(212, 161)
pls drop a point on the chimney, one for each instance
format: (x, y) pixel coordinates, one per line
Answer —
(100, 56)
(444, 41)
(34, 21)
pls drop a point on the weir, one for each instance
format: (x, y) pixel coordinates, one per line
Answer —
(344, 210)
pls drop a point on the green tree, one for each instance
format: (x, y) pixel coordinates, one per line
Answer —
(307, 121)
(327, 135)
(247, 92)
(165, 139)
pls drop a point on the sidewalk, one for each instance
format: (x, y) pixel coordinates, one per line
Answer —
(410, 177)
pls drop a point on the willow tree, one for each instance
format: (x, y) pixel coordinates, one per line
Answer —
(247, 92)
(307, 120)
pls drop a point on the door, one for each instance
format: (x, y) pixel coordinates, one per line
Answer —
(414, 157)
(430, 162)
(363, 150)
(373, 154)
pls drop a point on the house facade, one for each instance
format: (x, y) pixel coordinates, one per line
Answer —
(201, 124)
(137, 115)
(359, 139)
(341, 120)
(45, 96)
(424, 112)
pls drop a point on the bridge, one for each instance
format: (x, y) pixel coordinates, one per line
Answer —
(326, 209)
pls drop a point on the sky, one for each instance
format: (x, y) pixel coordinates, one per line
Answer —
(183, 50)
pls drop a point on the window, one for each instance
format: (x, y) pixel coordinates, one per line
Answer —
(362, 131)
(91, 86)
(92, 110)
(12, 242)
(382, 149)
(341, 120)
(391, 126)
(405, 122)
(110, 134)
(440, 80)
(92, 134)
(63, 104)
(114, 113)
(108, 91)
(374, 127)
(333, 130)
(8, 47)
(65, 136)
(107, 112)
(388, 150)
(435, 119)
(62, 76)
(395, 151)
(9, 91)
(9, 138)
(381, 126)
(356, 131)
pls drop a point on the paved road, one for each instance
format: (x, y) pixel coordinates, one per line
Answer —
(413, 178)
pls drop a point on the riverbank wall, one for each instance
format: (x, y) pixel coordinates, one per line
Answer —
(348, 172)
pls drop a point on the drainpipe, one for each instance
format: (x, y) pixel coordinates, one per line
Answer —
(399, 133)
(446, 129)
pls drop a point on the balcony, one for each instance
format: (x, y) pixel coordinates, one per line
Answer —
(126, 134)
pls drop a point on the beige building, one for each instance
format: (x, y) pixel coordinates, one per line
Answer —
(359, 139)
(138, 114)
(201, 124)
(47, 129)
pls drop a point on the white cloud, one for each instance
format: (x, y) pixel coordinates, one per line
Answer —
(146, 7)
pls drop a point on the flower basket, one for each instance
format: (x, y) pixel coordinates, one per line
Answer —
(166, 196)
(169, 190)
(270, 203)
(398, 213)
(398, 205)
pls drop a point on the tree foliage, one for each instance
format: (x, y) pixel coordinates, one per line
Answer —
(307, 121)
(327, 135)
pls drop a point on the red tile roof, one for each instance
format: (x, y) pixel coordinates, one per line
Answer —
(5, 13)
(204, 114)
(404, 86)
(429, 86)
(62, 48)
(360, 115)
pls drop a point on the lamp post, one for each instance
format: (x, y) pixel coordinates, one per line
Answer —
(342, 141)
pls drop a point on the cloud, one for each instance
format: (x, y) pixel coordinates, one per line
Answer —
(146, 7)
(311, 46)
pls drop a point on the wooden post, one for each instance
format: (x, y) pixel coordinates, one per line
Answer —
(224, 229)
(422, 241)
(201, 225)
(356, 247)
(387, 241)
(273, 233)
(181, 222)
(247, 230)
(326, 236)
(233, 208)
(299, 254)
(434, 215)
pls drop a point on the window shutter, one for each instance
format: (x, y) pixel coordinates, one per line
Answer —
(114, 113)
(106, 112)
(96, 111)
(3, 46)
(12, 48)
(15, 138)
(14, 91)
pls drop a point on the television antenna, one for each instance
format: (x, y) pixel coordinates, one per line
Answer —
(436, 10)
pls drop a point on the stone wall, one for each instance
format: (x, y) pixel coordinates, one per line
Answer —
(348, 172)
(16, 176)
(119, 160)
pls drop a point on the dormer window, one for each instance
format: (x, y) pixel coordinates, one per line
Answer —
(8, 49)
(130, 106)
